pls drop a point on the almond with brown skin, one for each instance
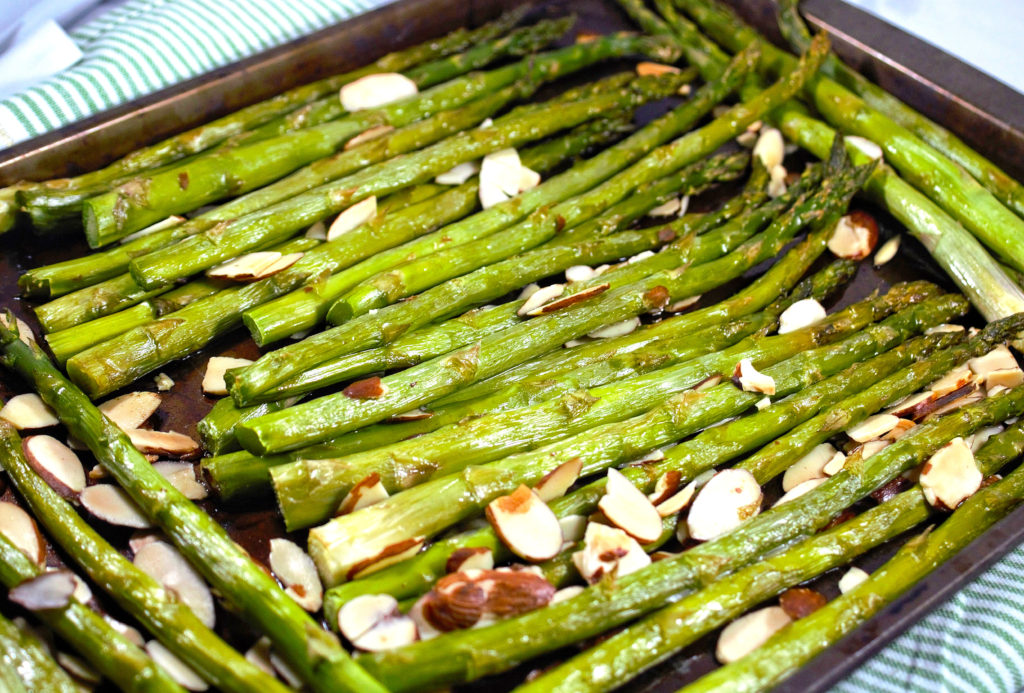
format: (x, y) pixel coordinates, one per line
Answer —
(110, 504)
(297, 572)
(629, 509)
(367, 492)
(566, 301)
(395, 553)
(461, 599)
(666, 486)
(470, 558)
(951, 475)
(163, 443)
(800, 601)
(28, 411)
(855, 236)
(51, 590)
(18, 527)
(747, 633)
(526, 525)
(608, 551)
(556, 482)
(367, 388)
(729, 498)
(56, 464)
(132, 410)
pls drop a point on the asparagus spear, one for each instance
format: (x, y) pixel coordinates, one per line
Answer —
(797, 643)
(425, 509)
(145, 200)
(171, 621)
(667, 631)
(304, 309)
(106, 367)
(314, 654)
(460, 656)
(26, 663)
(210, 134)
(113, 656)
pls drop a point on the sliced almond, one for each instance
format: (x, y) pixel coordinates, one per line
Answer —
(25, 333)
(799, 490)
(770, 148)
(887, 252)
(905, 407)
(799, 602)
(752, 380)
(645, 69)
(417, 414)
(163, 382)
(854, 237)
(944, 327)
(502, 169)
(763, 403)
(50, 590)
(566, 301)
(747, 633)
(367, 492)
(163, 443)
(869, 449)
(971, 395)
(182, 476)
(873, 427)
(899, 430)
(470, 558)
(424, 628)
(1004, 377)
(20, 529)
(166, 565)
(729, 498)
(608, 551)
(254, 266)
(367, 388)
(539, 297)
(82, 593)
(390, 555)
(865, 146)
(259, 656)
(810, 466)
(130, 634)
(573, 528)
(556, 482)
(951, 475)
(285, 671)
(297, 572)
(801, 314)
(835, 465)
(526, 525)
(666, 486)
(640, 257)
(998, 359)
(459, 174)
(579, 273)
(479, 597)
(777, 181)
(567, 593)
(629, 509)
(368, 135)
(183, 674)
(978, 439)
(316, 232)
(682, 304)
(28, 411)
(131, 410)
(666, 209)
(360, 614)
(955, 380)
(851, 578)
(528, 179)
(677, 503)
(56, 463)
(387, 635)
(78, 669)
(616, 329)
(353, 217)
(110, 504)
(216, 367)
(490, 195)
(376, 90)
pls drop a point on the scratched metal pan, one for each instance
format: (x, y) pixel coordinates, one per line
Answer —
(987, 114)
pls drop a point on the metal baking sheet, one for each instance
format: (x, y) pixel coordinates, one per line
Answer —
(984, 112)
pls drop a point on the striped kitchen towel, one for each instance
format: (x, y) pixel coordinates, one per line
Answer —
(143, 46)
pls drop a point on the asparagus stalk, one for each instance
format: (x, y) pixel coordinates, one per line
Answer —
(205, 136)
(111, 365)
(488, 281)
(66, 343)
(26, 663)
(302, 310)
(113, 656)
(797, 643)
(460, 656)
(217, 428)
(147, 199)
(998, 182)
(171, 621)
(425, 509)
(669, 630)
(314, 654)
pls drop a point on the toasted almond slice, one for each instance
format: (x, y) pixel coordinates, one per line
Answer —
(163, 563)
(131, 410)
(899, 430)
(490, 194)
(259, 656)
(873, 427)
(645, 68)
(972, 395)
(887, 252)
(629, 509)
(640, 257)
(182, 476)
(747, 139)
(979, 438)
(864, 145)
(368, 135)
(50, 590)
(579, 273)
(616, 329)
(417, 414)
(556, 482)
(28, 411)
(82, 593)
(367, 388)
(216, 367)
(183, 674)
(502, 169)
(141, 538)
(163, 382)
(571, 299)
(770, 148)
(353, 217)
(297, 572)
(855, 236)
(470, 558)
(376, 90)
(763, 403)
(387, 635)
(526, 525)
(944, 327)
(677, 503)
(281, 264)
(666, 209)
(952, 381)
(248, 267)
(801, 314)
(20, 529)
(111, 504)
(798, 602)
(998, 359)
(56, 463)
(1004, 377)
(360, 614)
(25, 333)
(163, 443)
(752, 380)
(130, 634)
(951, 475)
(608, 551)
(851, 578)
(539, 297)
(566, 593)
(682, 304)
(799, 490)
(835, 465)
(528, 179)
(316, 232)
(905, 407)
(367, 492)
(732, 496)
(158, 226)
(870, 448)
(573, 527)
(390, 555)
(459, 174)
(79, 670)
(747, 633)
(666, 486)
(424, 628)
(777, 181)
